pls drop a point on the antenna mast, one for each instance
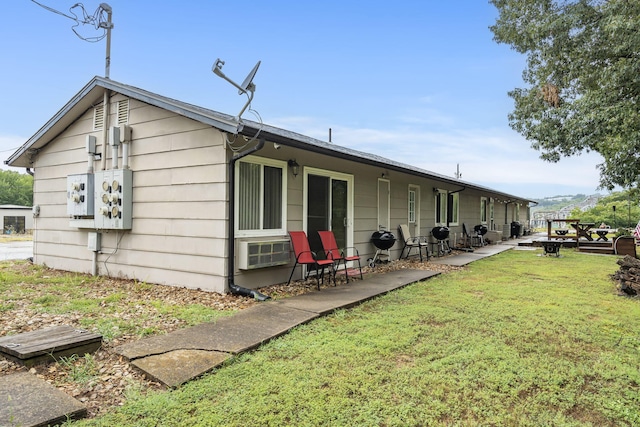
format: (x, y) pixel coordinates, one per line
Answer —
(107, 26)
(246, 88)
(458, 174)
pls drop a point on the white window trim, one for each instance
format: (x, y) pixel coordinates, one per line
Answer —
(383, 218)
(350, 196)
(486, 210)
(491, 209)
(455, 196)
(415, 211)
(259, 233)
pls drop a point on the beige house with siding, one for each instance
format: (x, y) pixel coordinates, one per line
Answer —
(147, 187)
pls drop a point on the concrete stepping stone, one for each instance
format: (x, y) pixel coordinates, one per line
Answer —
(179, 366)
(28, 401)
(243, 331)
(168, 358)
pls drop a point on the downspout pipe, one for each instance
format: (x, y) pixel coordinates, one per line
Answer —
(231, 237)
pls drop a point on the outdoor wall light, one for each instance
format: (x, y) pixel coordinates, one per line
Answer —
(295, 167)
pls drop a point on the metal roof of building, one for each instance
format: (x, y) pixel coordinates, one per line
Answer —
(92, 93)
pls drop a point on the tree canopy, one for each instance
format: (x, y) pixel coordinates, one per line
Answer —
(619, 210)
(582, 77)
(16, 188)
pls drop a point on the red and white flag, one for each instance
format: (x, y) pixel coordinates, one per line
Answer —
(636, 232)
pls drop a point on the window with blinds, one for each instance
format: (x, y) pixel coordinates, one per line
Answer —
(260, 196)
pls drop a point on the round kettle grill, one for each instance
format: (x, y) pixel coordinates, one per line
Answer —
(383, 241)
(480, 230)
(440, 233)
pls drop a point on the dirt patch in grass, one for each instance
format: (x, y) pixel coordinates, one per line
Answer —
(102, 380)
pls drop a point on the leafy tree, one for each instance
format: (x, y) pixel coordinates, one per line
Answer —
(583, 78)
(625, 215)
(16, 188)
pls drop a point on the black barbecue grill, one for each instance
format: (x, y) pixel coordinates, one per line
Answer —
(441, 234)
(480, 230)
(383, 241)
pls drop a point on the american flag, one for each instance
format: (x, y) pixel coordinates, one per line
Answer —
(636, 232)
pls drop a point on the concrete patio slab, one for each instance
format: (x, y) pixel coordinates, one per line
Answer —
(463, 258)
(240, 332)
(459, 260)
(28, 401)
(356, 292)
(177, 367)
(490, 250)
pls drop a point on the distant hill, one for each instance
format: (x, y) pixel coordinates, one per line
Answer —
(560, 207)
(561, 203)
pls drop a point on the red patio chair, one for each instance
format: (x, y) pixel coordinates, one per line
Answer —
(331, 251)
(305, 256)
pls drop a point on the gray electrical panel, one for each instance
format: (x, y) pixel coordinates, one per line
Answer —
(80, 195)
(113, 199)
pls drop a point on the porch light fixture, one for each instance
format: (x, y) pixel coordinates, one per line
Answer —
(295, 167)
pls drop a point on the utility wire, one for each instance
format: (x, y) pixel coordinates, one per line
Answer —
(98, 20)
(9, 149)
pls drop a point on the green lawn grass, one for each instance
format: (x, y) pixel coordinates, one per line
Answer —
(514, 340)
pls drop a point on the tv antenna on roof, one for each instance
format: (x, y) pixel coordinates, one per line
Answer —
(247, 87)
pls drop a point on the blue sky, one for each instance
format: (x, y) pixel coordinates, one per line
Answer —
(421, 82)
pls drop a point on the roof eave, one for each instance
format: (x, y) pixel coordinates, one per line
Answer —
(90, 95)
(320, 147)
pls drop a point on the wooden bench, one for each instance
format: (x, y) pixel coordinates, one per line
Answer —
(48, 345)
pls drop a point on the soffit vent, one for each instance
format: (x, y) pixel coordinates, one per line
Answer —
(98, 117)
(123, 112)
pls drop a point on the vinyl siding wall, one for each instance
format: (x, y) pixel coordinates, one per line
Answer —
(180, 203)
(365, 199)
(179, 210)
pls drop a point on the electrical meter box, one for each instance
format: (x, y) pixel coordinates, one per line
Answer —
(80, 195)
(113, 204)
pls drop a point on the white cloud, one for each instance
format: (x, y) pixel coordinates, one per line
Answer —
(497, 158)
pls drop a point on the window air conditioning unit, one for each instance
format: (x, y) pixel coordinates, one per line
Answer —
(253, 255)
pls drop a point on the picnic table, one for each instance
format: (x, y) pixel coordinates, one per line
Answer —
(562, 232)
(602, 233)
(583, 230)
